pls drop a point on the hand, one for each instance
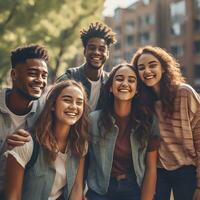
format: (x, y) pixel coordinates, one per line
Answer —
(18, 138)
(196, 195)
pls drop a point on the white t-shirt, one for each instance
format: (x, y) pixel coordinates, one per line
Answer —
(23, 154)
(95, 93)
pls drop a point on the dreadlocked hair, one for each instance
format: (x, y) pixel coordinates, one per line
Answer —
(99, 30)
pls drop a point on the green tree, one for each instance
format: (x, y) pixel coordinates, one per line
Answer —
(55, 24)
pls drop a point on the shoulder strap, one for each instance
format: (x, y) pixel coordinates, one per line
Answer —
(34, 155)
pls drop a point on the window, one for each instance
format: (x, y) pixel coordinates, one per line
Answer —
(177, 9)
(130, 40)
(150, 19)
(197, 47)
(197, 71)
(129, 26)
(146, 2)
(177, 50)
(144, 37)
(197, 24)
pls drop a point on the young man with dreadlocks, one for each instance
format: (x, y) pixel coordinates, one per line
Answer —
(96, 39)
(20, 105)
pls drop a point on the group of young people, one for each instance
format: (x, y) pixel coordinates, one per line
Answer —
(131, 134)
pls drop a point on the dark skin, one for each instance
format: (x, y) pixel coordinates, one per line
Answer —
(96, 53)
(29, 81)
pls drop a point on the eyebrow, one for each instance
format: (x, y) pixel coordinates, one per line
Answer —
(36, 69)
(68, 96)
(151, 62)
(123, 75)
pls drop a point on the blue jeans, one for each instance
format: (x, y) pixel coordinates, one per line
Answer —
(181, 181)
(126, 189)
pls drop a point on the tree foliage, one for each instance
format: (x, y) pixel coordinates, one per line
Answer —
(55, 24)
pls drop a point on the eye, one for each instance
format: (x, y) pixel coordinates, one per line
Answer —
(67, 100)
(102, 49)
(44, 76)
(131, 80)
(79, 103)
(141, 68)
(118, 78)
(153, 65)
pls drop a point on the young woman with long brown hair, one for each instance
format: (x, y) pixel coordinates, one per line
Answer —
(59, 144)
(124, 142)
(177, 106)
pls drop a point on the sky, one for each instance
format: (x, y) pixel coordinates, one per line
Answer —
(110, 5)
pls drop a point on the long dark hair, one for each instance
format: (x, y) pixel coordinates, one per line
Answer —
(44, 127)
(171, 78)
(140, 116)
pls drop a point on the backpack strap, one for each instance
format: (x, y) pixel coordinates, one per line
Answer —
(34, 155)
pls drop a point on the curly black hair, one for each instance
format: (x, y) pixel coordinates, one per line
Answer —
(22, 53)
(99, 30)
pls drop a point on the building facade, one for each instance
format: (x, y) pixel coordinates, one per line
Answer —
(170, 24)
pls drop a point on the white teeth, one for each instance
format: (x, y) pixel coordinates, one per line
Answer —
(149, 77)
(96, 59)
(124, 90)
(70, 114)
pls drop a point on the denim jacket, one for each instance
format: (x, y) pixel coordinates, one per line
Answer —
(78, 74)
(101, 153)
(39, 179)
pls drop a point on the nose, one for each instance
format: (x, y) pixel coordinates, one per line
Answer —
(125, 82)
(147, 70)
(96, 50)
(73, 105)
(39, 79)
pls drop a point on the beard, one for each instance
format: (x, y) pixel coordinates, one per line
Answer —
(26, 95)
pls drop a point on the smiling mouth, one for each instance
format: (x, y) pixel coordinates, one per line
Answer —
(71, 114)
(36, 89)
(149, 77)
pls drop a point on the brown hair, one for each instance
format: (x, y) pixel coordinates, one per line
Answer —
(171, 78)
(44, 127)
(140, 115)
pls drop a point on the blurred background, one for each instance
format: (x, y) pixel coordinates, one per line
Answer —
(170, 24)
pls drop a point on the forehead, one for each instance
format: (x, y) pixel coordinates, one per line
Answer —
(147, 57)
(33, 63)
(97, 41)
(72, 91)
(125, 70)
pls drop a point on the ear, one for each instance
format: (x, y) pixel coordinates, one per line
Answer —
(14, 74)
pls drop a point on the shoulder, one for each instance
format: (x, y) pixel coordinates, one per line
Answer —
(94, 115)
(187, 90)
(71, 73)
(22, 153)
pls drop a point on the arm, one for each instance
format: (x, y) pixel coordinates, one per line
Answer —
(77, 190)
(14, 179)
(18, 138)
(149, 183)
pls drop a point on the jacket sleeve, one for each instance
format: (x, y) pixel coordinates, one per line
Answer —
(67, 75)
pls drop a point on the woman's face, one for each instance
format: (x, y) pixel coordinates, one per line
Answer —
(69, 105)
(124, 84)
(150, 70)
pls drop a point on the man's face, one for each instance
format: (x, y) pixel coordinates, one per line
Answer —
(96, 52)
(30, 78)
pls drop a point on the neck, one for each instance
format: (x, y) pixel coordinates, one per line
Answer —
(92, 73)
(61, 132)
(17, 104)
(156, 89)
(122, 108)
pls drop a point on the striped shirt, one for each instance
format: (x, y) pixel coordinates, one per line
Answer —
(180, 133)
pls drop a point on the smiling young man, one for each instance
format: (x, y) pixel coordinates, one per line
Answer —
(20, 105)
(96, 39)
